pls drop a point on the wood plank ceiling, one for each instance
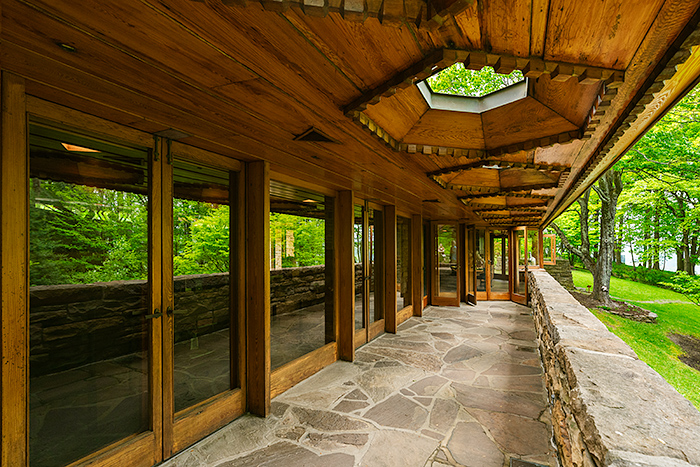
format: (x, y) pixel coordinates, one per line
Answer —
(243, 79)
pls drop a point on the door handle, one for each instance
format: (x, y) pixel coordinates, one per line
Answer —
(156, 314)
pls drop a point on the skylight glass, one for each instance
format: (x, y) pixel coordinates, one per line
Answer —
(459, 81)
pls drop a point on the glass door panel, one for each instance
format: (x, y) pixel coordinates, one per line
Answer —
(403, 262)
(445, 254)
(520, 261)
(471, 269)
(499, 273)
(375, 255)
(90, 309)
(203, 333)
(533, 247)
(480, 265)
(359, 255)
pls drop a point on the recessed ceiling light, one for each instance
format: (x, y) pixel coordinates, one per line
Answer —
(74, 148)
(309, 201)
(66, 47)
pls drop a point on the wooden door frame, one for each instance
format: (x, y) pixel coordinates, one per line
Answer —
(435, 298)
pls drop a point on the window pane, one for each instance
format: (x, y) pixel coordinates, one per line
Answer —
(499, 260)
(375, 242)
(403, 262)
(301, 277)
(520, 255)
(88, 358)
(533, 245)
(202, 283)
(479, 262)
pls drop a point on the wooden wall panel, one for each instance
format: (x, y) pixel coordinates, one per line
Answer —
(604, 34)
(14, 279)
(399, 113)
(390, 317)
(521, 121)
(569, 99)
(538, 31)
(346, 276)
(417, 264)
(506, 26)
(447, 128)
(258, 287)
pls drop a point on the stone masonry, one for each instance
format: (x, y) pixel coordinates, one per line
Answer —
(608, 407)
(561, 272)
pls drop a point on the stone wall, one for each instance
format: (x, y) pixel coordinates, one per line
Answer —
(561, 272)
(608, 407)
(77, 324)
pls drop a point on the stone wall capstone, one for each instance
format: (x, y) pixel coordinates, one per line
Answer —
(608, 407)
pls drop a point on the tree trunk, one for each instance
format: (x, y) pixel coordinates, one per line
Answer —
(657, 239)
(680, 260)
(618, 241)
(608, 189)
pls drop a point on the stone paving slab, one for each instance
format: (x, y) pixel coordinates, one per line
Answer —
(457, 387)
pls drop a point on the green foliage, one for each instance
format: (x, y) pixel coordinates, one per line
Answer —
(641, 274)
(201, 233)
(686, 285)
(459, 81)
(650, 341)
(309, 239)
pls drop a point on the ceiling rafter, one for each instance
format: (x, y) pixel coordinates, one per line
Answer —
(471, 196)
(501, 191)
(506, 208)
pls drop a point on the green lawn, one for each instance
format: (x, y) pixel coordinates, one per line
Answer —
(649, 341)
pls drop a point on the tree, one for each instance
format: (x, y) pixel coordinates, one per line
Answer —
(599, 262)
(460, 81)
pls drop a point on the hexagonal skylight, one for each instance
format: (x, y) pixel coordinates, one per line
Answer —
(457, 80)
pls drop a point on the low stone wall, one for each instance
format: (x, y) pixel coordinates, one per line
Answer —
(561, 272)
(608, 407)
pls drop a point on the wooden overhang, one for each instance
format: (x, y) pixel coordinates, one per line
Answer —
(333, 91)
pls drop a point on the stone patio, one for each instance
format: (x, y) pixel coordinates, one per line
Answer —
(459, 386)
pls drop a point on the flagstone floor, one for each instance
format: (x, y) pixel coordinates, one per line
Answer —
(459, 386)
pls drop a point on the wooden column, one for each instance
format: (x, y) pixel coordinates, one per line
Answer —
(14, 286)
(163, 293)
(346, 275)
(417, 264)
(258, 287)
(390, 322)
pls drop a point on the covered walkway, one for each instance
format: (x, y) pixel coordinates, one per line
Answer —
(458, 386)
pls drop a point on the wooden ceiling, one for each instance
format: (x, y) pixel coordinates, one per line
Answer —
(245, 78)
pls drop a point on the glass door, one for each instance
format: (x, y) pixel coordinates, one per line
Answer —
(369, 272)
(446, 265)
(471, 264)
(520, 265)
(94, 356)
(498, 265)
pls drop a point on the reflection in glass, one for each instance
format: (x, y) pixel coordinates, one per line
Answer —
(520, 255)
(499, 261)
(202, 283)
(375, 246)
(446, 254)
(359, 258)
(403, 262)
(533, 248)
(471, 258)
(88, 272)
(301, 276)
(479, 260)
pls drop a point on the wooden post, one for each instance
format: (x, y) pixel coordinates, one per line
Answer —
(417, 264)
(390, 322)
(14, 281)
(258, 287)
(163, 293)
(346, 275)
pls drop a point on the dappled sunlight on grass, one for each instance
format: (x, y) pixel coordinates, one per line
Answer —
(650, 341)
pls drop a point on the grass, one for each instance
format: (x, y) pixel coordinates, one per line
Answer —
(650, 341)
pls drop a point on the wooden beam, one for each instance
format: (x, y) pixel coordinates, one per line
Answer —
(258, 287)
(14, 280)
(427, 66)
(346, 275)
(509, 195)
(500, 192)
(499, 164)
(390, 319)
(417, 264)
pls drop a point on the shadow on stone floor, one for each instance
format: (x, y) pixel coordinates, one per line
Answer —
(459, 386)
